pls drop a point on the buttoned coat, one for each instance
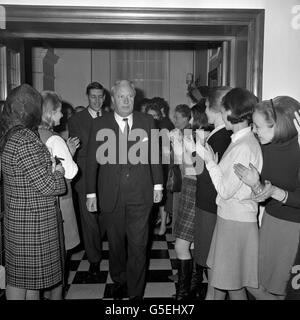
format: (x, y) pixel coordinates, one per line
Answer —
(32, 250)
(145, 175)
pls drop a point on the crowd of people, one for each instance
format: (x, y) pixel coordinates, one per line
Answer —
(234, 155)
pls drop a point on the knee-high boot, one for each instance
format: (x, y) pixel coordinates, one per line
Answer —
(185, 269)
(198, 289)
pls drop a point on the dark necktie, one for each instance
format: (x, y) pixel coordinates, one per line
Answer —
(98, 114)
(126, 126)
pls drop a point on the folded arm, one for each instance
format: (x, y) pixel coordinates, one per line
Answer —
(38, 172)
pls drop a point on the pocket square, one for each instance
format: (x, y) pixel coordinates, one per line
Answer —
(145, 139)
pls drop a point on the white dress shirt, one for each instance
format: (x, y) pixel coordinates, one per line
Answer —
(234, 196)
(93, 113)
(121, 122)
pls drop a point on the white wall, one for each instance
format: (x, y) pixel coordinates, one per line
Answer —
(101, 67)
(281, 72)
(76, 68)
(282, 51)
(73, 74)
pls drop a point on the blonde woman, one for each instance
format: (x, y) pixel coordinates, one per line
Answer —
(279, 184)
(63, 152)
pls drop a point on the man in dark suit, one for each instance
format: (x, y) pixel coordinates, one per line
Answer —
(126, 189)
(79, 126)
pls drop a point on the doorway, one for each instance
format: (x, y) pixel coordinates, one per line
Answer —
(239, 33)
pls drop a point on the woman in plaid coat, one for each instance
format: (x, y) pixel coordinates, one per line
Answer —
(31, 184)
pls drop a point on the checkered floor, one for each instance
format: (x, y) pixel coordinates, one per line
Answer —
(162, 264)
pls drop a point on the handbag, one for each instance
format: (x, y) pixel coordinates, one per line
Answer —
(174, 179)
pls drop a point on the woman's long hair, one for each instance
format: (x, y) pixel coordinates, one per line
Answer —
(50, 102)
(280, 112)
(22, 109)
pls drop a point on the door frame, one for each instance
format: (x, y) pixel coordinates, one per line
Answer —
(145, 24)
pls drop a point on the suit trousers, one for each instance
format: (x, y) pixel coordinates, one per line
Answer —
(92, 229)
(127, 231)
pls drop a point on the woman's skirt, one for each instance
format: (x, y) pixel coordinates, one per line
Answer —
(205, 223)
(184, 224)
(71, 234)
(233, 255)
(278, 245)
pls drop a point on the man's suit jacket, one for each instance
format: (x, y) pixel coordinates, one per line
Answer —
(145, 176)
(79, 126)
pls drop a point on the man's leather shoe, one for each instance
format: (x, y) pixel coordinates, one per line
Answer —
(119, 291)
(94, 269)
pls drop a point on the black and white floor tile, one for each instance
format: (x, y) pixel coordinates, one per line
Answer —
(162, 264)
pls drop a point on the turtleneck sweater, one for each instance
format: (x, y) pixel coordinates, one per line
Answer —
(281, 164)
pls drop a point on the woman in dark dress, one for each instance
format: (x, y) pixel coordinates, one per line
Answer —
(280, 186)
(206, 208)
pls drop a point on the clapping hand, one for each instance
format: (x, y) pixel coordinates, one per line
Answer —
(266, 193)
(56, 165)
(60, 168)
(213, 156)
(189, 144)
(206, 153)
(73, 144)
(249, 176)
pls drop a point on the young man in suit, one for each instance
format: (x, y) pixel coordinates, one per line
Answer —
(126, 191)
(79, 126)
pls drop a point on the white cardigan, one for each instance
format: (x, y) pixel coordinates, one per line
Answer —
(233, 197)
